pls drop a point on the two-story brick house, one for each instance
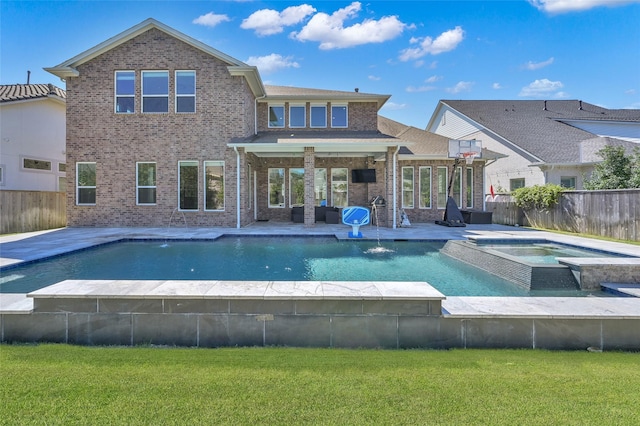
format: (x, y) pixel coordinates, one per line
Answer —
(162, 126)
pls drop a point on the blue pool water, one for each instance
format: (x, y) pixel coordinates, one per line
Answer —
(268, 259)
(545, 253)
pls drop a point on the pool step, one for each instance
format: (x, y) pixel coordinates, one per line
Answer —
(622, 289)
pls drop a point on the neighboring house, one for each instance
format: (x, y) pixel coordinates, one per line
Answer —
(32, 137)
(162, 126)
(545, 141)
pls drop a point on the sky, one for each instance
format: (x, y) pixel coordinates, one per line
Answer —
(418, 52)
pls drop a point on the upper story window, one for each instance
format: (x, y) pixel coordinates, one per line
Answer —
(318, 116)
(185, 91)
(125, 92)
(276, 116)
(339, 116)
(297, 116)
(155, 91)
(33, 164)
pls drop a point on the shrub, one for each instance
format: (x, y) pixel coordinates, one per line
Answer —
(538, 196)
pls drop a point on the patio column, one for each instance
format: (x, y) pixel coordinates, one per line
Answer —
(391, 185)
(309, 186)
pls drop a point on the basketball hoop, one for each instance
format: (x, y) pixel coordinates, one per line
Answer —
(469, 157)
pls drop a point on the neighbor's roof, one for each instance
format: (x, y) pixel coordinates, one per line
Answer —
(68, 68)
(424, 144)
(289, 93)
(539, 131)
(22, 92)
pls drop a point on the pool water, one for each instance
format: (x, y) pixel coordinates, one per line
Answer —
(545, 253)
(268, 259)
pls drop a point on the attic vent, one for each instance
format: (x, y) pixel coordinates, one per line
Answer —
(545, 106)
(580, 108)
(357, 90)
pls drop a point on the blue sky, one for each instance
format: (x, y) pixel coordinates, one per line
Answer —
(416, 51)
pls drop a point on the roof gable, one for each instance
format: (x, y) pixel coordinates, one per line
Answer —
(537, 127)
(68, 68)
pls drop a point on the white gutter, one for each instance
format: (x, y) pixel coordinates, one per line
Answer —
(395, 201)
(237, 187)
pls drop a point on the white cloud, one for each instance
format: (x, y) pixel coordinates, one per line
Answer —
(374, 78)
(562, 6)
(392, 106)
(532, 66)
(445, 42)
(330, 32)
(268, 21)
(413, 89)
(433, 79)
(211, 19)
(496, 86)
(542, 88)
(462, 86)
(272, 63)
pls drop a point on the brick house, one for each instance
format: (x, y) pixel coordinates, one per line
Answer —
(162, 127)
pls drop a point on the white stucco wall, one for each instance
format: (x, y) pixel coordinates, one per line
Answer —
(33, 129)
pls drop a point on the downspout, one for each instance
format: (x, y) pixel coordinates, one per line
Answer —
(395, 201)
(235, 148)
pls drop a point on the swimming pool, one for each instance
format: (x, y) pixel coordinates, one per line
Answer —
(268, 259)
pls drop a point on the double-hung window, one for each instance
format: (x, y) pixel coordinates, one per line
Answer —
(320, 187)
(145, 183)
(155, 91)
(185, 91)
(318, 116)
(407, 187)
(188, 185)
(296, 187)
(339, 187)
(85, 184)
(442, 187)
(276, 188)
(425, 187)
(214, 185)
(276, 116)
(297, 116)
(125, 92)
(339, 116)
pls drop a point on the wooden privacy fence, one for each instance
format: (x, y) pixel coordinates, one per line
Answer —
(608, 213)
(27, 211)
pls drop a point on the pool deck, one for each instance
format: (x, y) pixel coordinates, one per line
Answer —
(19, 248)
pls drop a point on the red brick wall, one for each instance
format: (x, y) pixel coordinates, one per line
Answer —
(224, 110)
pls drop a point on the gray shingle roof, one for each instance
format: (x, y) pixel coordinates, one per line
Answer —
(20, 92)
(537, 130)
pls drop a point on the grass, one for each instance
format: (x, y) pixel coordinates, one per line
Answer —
(61, 384)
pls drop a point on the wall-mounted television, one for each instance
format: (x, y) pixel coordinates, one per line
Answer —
(363, 175)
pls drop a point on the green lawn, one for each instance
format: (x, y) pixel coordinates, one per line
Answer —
(61, 385)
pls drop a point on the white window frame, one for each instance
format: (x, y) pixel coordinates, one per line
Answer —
(304, 116)
(30, 169)
(469, 188)
(412, 190)
(346, 116)
(282, 204)
(185, 95)
(274, 106)
(117, 96)
(2, 170)
(216, 163)
(139, 187)
(197, 165)
(334, 184)
(154, 96)
(78, 187)
(428, 170)
(443, 205)
(324, 108)
(291, 197)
